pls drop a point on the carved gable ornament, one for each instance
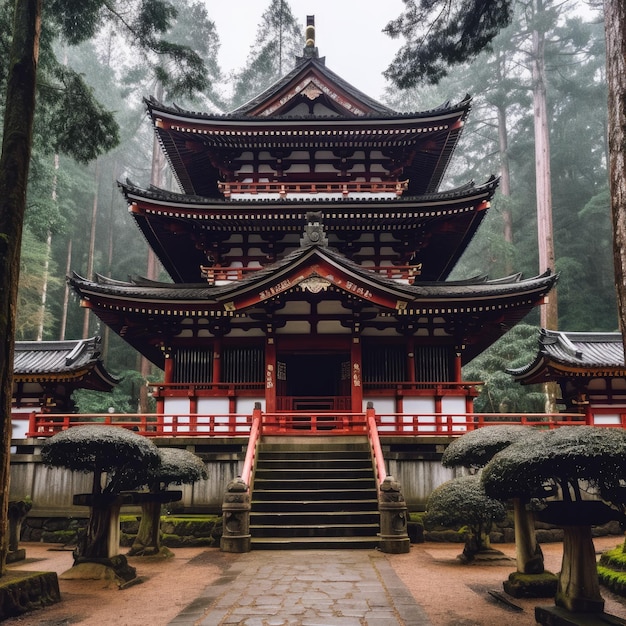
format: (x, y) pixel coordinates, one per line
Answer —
(312, 87)
(315, 284)
(311, 91)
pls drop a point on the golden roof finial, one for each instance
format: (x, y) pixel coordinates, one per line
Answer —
(310, 51)
(309, 33)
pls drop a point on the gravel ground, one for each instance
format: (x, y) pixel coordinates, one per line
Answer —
(452, 594)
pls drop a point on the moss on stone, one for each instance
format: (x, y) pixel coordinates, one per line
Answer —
(543, 585)
(614, 559)
(59, 536)
(612, 579)
(186, 541)
(21, 592)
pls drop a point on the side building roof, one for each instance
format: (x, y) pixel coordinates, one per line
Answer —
(573, 354)
(72, 361)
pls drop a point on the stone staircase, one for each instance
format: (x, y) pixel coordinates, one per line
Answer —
(314, 492)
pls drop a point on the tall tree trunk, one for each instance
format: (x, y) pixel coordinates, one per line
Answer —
(505, 182)
(14, 164)
(615, 30)
(44, 287)
(66, 292)
(92, 242)
(46, 269)
(545, 232)
(548, 312)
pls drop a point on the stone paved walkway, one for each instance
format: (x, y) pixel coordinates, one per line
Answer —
(306, 588)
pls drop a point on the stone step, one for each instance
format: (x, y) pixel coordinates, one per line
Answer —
(333, 463)
(314, 543)
(314, 506)
(312, 495)
(317, 483)
(295, 518)
(311, 473)
(305, 496)
(314, 530)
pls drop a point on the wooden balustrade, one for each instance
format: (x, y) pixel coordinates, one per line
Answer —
(253, 440)
(283, 188)
(149, 425)
(377, 451)
(305, 423)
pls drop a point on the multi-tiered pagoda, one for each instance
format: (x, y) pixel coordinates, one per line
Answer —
(309, 247)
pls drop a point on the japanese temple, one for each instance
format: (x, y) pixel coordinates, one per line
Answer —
(309, 245)
(589, 370)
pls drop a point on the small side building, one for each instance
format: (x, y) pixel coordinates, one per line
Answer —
(589, 369)
(46, 373)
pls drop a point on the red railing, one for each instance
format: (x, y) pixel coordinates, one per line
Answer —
(307, 423)
(285, 188)
(313, 423)
(377, 451)
(255, 435)
(149, 425)
(455, 424)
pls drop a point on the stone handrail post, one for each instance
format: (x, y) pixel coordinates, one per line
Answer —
(394, 536)
(236, 517)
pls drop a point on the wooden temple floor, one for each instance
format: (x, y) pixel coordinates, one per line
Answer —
(205, 587)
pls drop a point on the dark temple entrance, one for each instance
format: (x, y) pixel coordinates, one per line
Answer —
(314, 382)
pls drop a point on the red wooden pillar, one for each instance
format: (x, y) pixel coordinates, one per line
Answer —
(410, 359)
(217, 360)
(458, 376)
(270, 375)
(357, 375)
(168, 377)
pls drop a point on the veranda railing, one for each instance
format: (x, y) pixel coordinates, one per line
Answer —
(300, 423)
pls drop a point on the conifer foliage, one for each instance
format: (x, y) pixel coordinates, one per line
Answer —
(144, 23)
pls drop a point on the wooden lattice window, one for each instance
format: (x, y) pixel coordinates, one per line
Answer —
(193, 365)
(243, 364)
(384, 364)
(432, 364)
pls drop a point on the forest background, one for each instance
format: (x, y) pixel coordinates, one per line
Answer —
(77, 220)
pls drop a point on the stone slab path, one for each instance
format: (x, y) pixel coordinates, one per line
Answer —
(306, 588)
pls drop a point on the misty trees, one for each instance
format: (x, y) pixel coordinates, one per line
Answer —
(144, 24)
(437, 39)
(273, 54)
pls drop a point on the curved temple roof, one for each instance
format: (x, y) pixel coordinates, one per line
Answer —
(571, 354)
(170, 221)
(62, 361)
(201, 146)
(494, 306)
